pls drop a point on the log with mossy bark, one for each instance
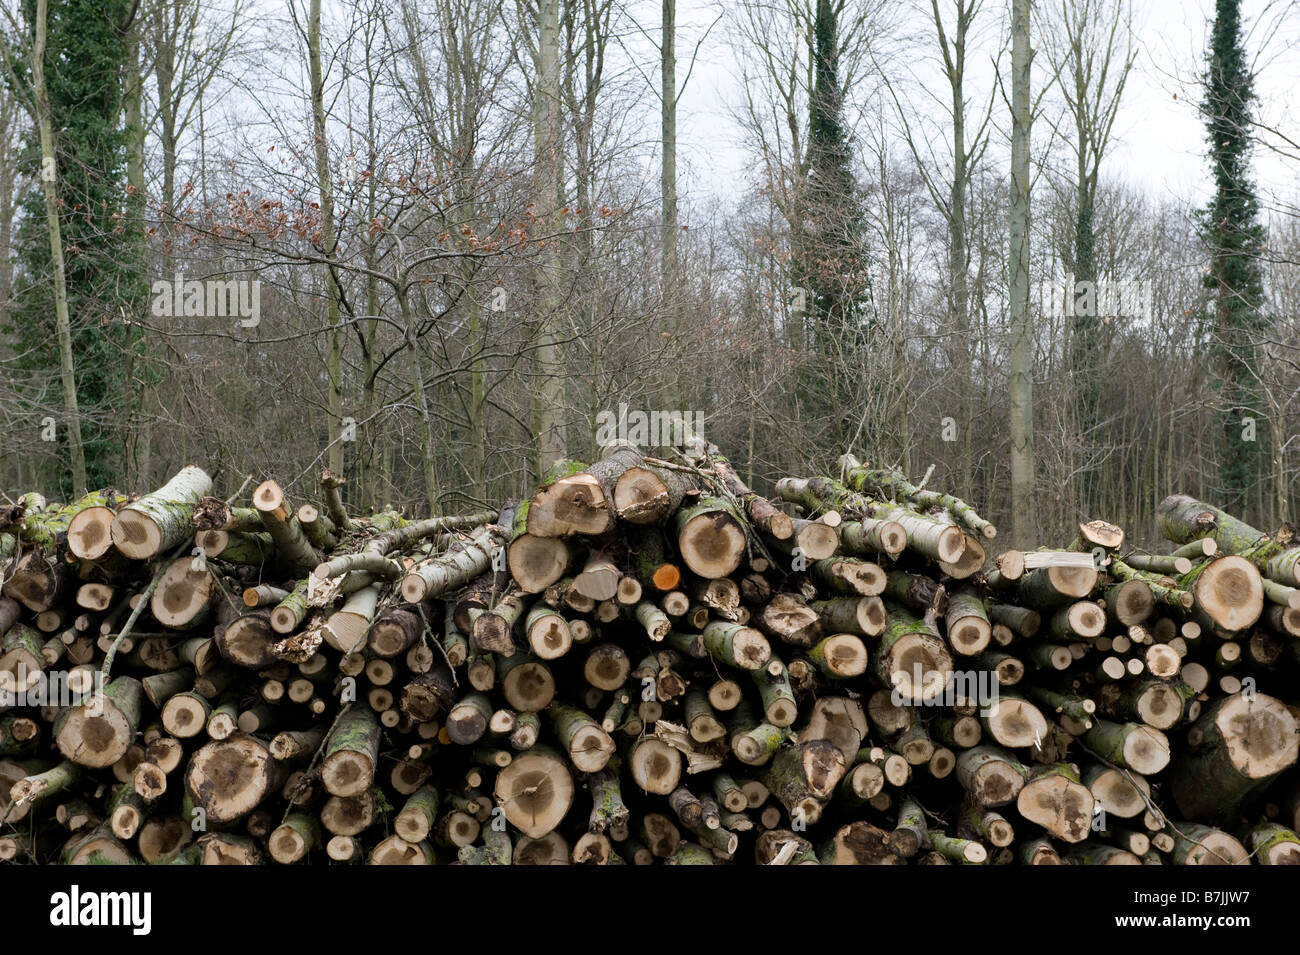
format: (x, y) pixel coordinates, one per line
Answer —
(159, 521)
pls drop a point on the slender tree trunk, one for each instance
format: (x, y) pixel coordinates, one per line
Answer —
(62, 322)
(136, 365)
(548, 398)
(334, 362)
(1021, 407)
(668, 187)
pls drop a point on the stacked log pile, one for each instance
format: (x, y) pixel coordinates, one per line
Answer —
(644, 662)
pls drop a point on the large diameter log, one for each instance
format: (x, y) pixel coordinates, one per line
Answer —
(1242, 742)
(535, 562)
(802, 777)
(787, 618)
(1058, 801)
(535, 791)
(579, 503)
(1141, 748)
(1120, 793)
(1273, 844)
(229, 778)
(248, 640)
(990, 776)
(347, 627)
(90, 527)
(161, 520)
(98, 733)
(840, 656)
(351, 753)
(1184, 519)
(912, 659)
(710, 538)
(648, 494)
(1229, 592)
(655, 766)
(1196, 844)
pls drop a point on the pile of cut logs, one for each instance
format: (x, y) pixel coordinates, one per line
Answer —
(644, 662)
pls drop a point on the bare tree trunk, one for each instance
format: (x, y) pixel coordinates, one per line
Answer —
(668, 186)
(1021, 382)
(334, 362)
(548, 398)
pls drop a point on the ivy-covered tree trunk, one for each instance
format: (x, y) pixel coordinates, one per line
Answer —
(1234, 237)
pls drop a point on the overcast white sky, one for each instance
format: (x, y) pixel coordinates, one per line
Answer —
(1158, 141)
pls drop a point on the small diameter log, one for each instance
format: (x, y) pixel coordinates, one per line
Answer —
(294, 838)
(870, 536)
(228, 779)
(98, 733)
(652, 620)
(464, 561)
(89, 523)
(1049, 587)
(840, 656)
(1240, 743)
(850, 575)
(865, 616)
(701, 720)
(736, 645)
(589, 747)
(491, 629)
(185, 715)
(346, 628)
(961, 851)
(608, 811)
(547, 632)
(418, 816)
(467, 721)
(297, 745)
(779, 706)
(968, 627)
(351, 753)
(536, 791)
(161, 520)
(293, 549)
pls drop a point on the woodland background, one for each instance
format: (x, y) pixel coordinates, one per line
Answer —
(471, 237)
